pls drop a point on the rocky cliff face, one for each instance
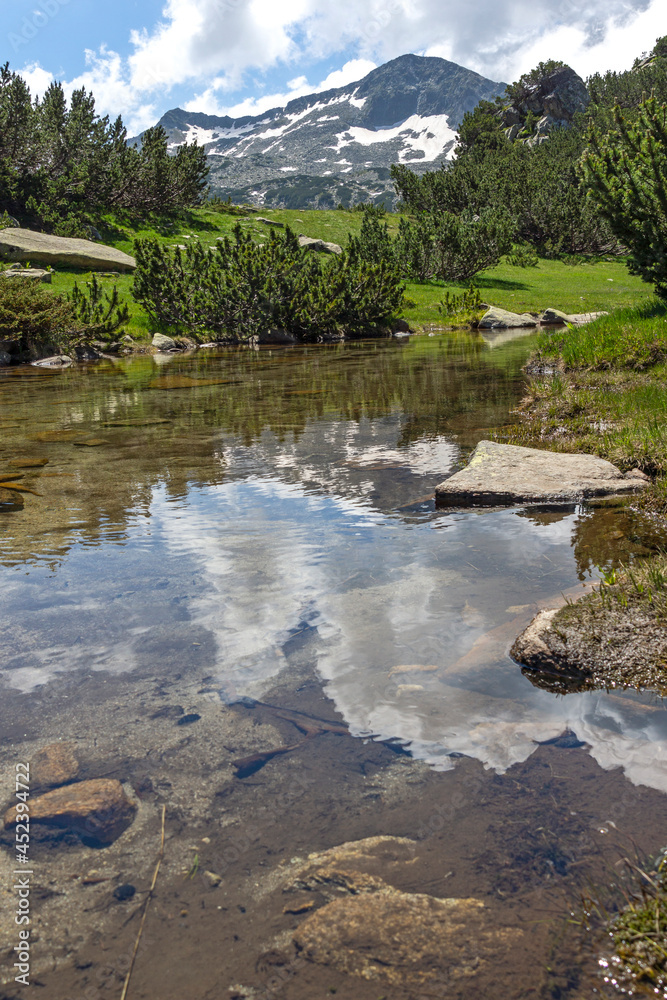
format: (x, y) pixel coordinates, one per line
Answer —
(546, 103)
(338, 146)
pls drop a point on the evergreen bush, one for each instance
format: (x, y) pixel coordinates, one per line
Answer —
(239, 289)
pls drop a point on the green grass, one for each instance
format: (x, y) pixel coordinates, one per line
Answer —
(609, 396)
(633, 337)
(605, 285)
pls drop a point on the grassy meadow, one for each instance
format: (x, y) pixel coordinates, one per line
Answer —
(572, 287)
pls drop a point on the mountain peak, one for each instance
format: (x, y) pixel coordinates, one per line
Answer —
(338, 145)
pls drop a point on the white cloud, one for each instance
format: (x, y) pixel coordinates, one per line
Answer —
(210, 46)
(114, 93)
(622, 42)
(38, 79)
(209, 101)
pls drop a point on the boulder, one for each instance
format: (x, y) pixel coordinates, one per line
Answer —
(29, 273)
(98, 810)
(307, 243)
(53, 765)
(164, 343)
(5, 359)
(578, 319)
(554, 317)
(500, 474)
(501, 319)
(41, 248)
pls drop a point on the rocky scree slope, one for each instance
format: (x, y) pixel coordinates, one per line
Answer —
(338, 145)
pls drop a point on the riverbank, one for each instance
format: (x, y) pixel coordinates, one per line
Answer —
(602, 389)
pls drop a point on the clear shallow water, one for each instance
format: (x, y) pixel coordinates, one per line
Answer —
(199, 512)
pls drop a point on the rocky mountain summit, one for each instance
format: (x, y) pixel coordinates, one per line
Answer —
(338, 145)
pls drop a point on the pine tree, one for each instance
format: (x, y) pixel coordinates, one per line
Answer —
(626, 173)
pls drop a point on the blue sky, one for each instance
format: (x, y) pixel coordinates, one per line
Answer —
(243, 56)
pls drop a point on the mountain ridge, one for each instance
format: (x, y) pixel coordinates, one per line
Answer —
(406, 111)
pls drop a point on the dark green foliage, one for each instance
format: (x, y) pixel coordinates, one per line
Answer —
(453, 247)
(626, 172)
(467, 302)
(32, 316)
(239, 289)
(99, 312)
(373, 243)
(61, 166)
(538, 187)
(647, 77)
(523, 255)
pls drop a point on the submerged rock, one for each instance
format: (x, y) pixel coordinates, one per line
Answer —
(403, 938)
(499, 474)
(42, 248)
(98, 810)
(501, 319)
(53, 765)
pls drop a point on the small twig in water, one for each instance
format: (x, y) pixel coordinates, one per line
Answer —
(146, 905)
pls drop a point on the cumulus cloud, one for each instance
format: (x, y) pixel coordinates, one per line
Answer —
(211, 102)
(38, 79)
(211, 47)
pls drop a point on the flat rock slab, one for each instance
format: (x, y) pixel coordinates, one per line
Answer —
(500, 474)
(29, 274)
(555, 317)
(41, 248)
(404, 939)
(98, 810)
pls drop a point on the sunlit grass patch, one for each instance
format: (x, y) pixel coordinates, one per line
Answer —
(634, 337)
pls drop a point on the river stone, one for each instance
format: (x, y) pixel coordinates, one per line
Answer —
(307, 243)
(29, 273)
(56, 361)
(98, 810)
(404, 939)
(164, 343)
(53, 765)
(41, 248)
(501, 319)
(499, 474)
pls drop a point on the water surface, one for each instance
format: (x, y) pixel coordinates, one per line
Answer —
(205, 510)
